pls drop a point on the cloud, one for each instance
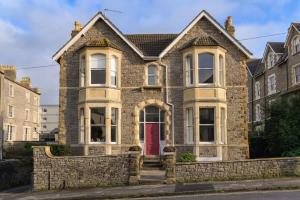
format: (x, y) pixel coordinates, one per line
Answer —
(32, 30)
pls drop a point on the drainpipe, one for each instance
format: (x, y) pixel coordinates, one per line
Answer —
(167, 99)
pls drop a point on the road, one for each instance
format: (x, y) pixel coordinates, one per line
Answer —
(255, 195)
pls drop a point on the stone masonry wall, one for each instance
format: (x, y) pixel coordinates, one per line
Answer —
(234, 170)
(51, 172)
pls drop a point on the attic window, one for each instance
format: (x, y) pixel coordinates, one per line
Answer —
(296, 45)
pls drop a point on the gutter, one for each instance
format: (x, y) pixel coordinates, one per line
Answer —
(167, 99)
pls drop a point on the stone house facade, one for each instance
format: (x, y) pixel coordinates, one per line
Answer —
(154, 90)
(49, 122)
(19, 107)
(276, 74)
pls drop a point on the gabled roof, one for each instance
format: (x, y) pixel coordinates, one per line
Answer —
(98, 16)
(151, 44)
(276, 47)
(205, 14)
(201, 41)
(253, 64)
(294, 26)
(103, 42)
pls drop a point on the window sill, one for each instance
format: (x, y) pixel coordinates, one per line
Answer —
(207, 143)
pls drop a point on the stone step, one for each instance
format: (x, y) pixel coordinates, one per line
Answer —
(153, 176)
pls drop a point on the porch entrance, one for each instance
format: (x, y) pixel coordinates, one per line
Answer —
(152, 130)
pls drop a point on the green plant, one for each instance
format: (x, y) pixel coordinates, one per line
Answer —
(60, 149)
(186, 157)
(292, 153)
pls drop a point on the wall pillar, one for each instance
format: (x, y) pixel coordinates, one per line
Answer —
(134, 167)
(170, 164)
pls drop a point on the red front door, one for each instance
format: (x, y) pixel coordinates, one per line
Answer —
(152, 139)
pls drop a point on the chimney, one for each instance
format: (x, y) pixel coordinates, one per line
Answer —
(229, 27)
(77, 28)
(9, 71)
(26, 82)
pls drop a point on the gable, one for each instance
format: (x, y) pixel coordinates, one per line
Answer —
(294, 29)
(204, 14)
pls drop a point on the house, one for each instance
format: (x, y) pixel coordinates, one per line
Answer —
(187, 90)
(49, 122)
(19, 107)
(276, 74)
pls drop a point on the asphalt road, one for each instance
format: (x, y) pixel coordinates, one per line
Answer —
(255, 195)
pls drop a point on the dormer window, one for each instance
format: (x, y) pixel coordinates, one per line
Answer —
(189, 70)
(206, 68)
(271, 60)
(296, 45)
(98, 69)
(152, 75)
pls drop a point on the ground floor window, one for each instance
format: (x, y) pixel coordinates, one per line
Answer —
(189, 125)
(207, 124)
(10, 131)
(82, 126)
(26, 133)
(114, 124)
(97, 124)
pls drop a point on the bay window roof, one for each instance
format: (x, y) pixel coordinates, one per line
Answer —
(201, 41)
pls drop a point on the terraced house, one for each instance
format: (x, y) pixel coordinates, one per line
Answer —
(276, 74)
(187, 90)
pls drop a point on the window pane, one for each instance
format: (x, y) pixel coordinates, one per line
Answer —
(152, 75)
(142, 131)
(222, 125)
(162, 131)
(221, 67)
(207, 133)
(206, 60)
(206, 75)
(98, 61)
(151, 80)
(98, 116)
(152, 109)
(162, 116)
(113, 70)
(113, 78)
(114, 116)
(152, 70)
(113, 134)
(190, 70)
(152, 117)
(98, 76)
(207, 116)
(141, 116)
(97, 133)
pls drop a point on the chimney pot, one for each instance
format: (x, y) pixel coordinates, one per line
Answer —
(9, 71)
(26, 82)
(77, 28)
(229, 27)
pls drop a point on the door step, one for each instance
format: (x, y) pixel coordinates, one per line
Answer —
(152, 176)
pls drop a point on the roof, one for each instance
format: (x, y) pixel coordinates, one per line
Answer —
(278, 47)
(151, 44)
(201, 41)
(296, 25)
(253, 64)
(103, 42)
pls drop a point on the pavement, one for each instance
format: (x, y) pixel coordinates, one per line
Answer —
(157, 190)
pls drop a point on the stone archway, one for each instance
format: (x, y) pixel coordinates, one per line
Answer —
(161, 105)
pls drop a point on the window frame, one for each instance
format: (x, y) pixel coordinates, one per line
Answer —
(10, 132)
(116, 125)
(27, 114)
(258, 113)
(98, 125)
(11, 90)
(214, 125)
(26, 134)
(82, 129)
(221, 70)
(98, 69)
(257, 90)
(270, 77)
(294, 44)
(295, 74)
(10, 113)
(82, 71)
(115, 71)
(189, 126)
(155, 75)
(189, 70)
(213, 68)
(223, 122)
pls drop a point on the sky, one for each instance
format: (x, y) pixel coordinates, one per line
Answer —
(31, 31)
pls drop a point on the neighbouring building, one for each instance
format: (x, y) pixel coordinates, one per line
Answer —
(276, 74)
(19, 107)
(49, 122)
(187, 90)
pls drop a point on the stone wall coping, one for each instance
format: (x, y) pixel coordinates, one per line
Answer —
(50, 155)
(134, 152)
(169, 153)
(235, 161)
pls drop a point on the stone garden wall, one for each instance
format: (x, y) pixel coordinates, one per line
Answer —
(51, 172)
(233, 170)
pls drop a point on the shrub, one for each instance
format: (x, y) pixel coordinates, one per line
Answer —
(60, 149)
(292, 153)
(187, 157)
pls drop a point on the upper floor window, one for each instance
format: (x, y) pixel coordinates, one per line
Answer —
(10, 131)
(189, 126)
(271, 84)
(205, 68)
(98, 69)
(257, 112)
(11, 90)
(35, 100)
(257, 90)
(297, 74)
(10, 112)
(152, 75)
(207, 124)
(271, 60)
(221, 70)
(296, 44)
(82, 71)
(189, 70)
(27, 115)
(113, 70)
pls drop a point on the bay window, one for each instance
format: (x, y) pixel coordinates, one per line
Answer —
(113, 70)
(223, 125)
(114, 124)
(296, 45)
(98, 69)
(189, 126)
(82, 126)
(98, 133)
(297, 74)
(206, 68)
(221, 70)
(207, 124)
(152, 75)
(189, 70)
(82, 71)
